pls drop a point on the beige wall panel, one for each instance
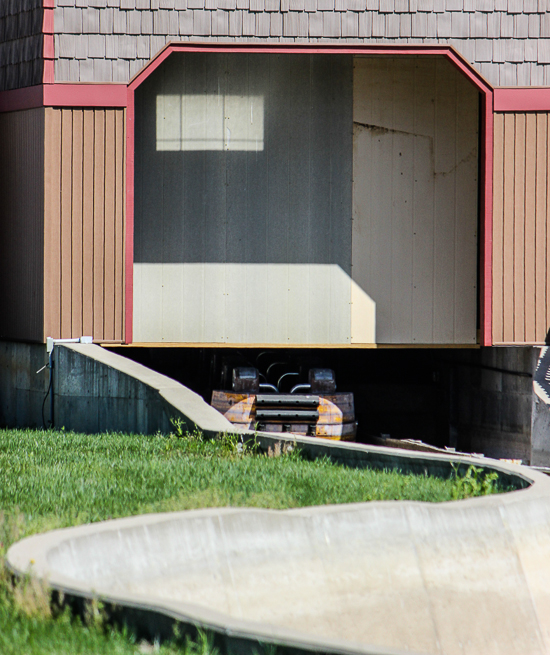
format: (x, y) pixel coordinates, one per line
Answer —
(84, 201)
(22, 225)
(415, 190)
(520, 228)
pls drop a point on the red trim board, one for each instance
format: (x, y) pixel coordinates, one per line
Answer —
(129, 220)
(486, 173)
(522, 99)
(64, 95)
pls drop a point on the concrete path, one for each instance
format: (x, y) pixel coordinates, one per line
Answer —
(386, 577)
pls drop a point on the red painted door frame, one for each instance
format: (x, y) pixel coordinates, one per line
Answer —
(486, 154)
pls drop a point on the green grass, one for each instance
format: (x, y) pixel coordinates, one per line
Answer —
(57, 479)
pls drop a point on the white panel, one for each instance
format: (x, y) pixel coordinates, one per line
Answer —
(147, 302)
(211, 297)
(168, 122)
(210, 122)
(172, 307)
(278, 324)
(415, 189)
(247, 303)
(192, 300)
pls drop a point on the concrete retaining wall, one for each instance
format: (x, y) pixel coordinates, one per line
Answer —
(97, 391)
(492, 401)
(22, 390)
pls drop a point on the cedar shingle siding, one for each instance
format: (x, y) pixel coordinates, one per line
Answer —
(508, 41)
(20, 43)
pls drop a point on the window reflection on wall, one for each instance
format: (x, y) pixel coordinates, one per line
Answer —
(210, 122)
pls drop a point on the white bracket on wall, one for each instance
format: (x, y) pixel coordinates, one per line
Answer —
(50, 342)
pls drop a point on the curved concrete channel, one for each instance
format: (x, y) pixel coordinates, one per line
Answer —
(469, 576)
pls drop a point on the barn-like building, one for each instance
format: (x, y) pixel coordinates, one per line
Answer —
(367, 178)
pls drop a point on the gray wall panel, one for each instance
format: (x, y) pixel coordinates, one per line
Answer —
(253, 240)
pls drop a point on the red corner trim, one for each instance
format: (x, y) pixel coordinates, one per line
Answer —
(522, 99)
(49, 71)
(48, 45)
(47, 22)
(48, 49)
(129, 237)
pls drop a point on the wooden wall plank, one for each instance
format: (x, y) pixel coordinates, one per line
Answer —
(521, 273)
(52, 225)
(99, 222)
(120, 201)
(529, 251)
(66, 221)
(541, 217)
(88, 222)
(498, 235)
(109, 222)
(519, 230)
(84, 223)
(508, 226)
(77, 235)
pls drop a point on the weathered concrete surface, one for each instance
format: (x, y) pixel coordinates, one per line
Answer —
(22, 389)
(463, 577)
(492, 401)
(97, 390)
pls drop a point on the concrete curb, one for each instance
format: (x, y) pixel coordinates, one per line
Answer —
(384, 577)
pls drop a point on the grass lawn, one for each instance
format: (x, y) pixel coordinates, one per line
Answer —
(58, 479)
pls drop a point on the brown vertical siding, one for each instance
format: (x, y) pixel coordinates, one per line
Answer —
(21, 225)
(521, 244)
(84, 222)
